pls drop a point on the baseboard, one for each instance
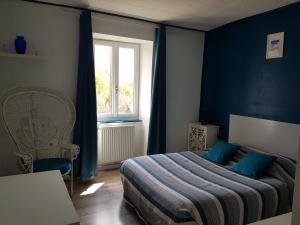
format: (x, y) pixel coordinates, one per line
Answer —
(109, 166)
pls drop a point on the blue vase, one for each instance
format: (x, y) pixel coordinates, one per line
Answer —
(20, 45)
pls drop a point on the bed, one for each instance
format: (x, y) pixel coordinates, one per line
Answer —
(185, 188)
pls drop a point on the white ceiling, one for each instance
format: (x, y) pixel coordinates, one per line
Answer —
(199, 14)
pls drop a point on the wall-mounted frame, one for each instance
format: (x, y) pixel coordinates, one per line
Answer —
(275, 43)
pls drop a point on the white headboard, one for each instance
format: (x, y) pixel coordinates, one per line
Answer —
(267, 135)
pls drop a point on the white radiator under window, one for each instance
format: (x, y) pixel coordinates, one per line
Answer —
(115, 143)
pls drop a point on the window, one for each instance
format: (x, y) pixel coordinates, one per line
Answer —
(116, 73)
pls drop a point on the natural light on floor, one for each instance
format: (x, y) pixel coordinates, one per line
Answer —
(92, 189)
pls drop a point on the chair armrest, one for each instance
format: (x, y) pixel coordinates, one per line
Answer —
(25, 162)
(71, 150)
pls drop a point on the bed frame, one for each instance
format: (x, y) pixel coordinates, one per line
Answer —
(267, 135)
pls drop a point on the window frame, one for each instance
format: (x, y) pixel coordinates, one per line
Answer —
(115, 115)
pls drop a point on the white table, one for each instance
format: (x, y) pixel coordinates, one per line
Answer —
(285, 219)
(36, 199)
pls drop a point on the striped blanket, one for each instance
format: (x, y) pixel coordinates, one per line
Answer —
(186, 189)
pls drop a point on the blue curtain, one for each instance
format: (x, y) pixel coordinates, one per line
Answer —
(85, 132)
(157, 125)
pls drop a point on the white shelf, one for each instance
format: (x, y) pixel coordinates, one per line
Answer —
(20, 56)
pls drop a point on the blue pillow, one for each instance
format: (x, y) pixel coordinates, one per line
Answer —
(221, 152)
(254, 165)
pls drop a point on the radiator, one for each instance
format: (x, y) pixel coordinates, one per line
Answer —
(116, 143)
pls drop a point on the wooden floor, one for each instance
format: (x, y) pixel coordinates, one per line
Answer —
(105, 206)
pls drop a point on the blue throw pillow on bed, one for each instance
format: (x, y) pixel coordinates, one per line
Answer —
(221, 152)
(254, 165)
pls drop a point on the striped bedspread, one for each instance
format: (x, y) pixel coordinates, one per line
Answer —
(186, 189)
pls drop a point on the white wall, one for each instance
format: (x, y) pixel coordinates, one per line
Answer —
(123, 27)
(53, 32)
(145, 92)
(184, 72)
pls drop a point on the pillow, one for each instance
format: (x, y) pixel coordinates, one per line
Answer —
(286, 164)
(221, 152)
(254, 165)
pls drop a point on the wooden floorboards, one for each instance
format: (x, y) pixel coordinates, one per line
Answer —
(105, 206)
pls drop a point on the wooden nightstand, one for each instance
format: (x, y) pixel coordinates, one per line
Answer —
(201, 137)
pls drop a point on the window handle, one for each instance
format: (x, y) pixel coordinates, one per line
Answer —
(117, 89)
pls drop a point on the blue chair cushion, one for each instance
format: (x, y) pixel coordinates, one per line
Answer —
(254, 165)
(64, 165)
(221, 152)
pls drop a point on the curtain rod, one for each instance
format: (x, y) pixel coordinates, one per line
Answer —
(113, 14)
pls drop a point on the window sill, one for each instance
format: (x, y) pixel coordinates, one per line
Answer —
(119, 121)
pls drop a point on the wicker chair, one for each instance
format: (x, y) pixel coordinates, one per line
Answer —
(39, 121)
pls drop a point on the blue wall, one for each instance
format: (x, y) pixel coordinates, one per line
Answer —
(238, 79)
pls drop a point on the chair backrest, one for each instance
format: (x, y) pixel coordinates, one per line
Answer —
(38, 120)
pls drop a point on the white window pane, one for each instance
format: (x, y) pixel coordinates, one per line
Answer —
(103, 60)
(126, 80)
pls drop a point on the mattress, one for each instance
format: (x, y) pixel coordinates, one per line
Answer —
(186, 189)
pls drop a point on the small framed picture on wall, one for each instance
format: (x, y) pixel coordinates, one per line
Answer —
(275, 44)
